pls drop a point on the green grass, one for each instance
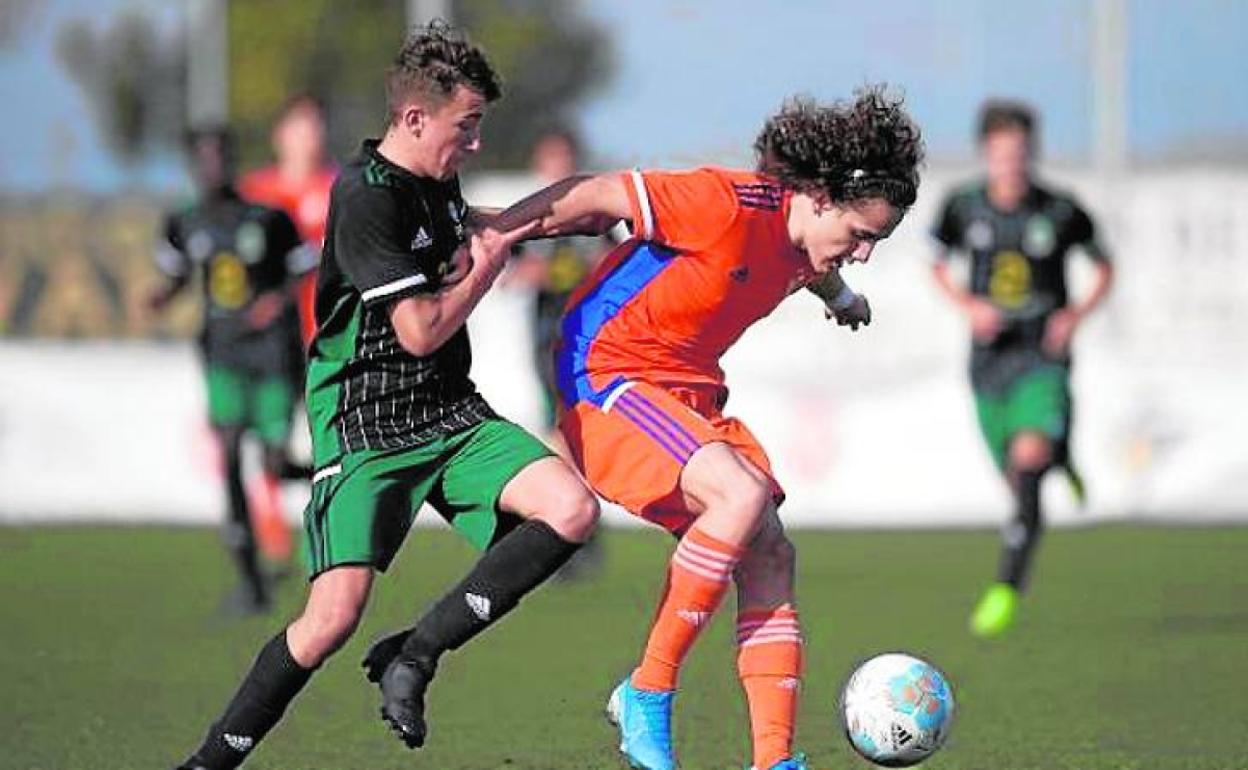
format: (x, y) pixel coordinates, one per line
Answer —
(1132, 652)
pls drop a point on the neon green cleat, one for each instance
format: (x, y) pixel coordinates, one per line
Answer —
(994, 614)
(1078, 489)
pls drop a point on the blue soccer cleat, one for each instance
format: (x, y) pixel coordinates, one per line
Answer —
(645, 722)
(795, 762)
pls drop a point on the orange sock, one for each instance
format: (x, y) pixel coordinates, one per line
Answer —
(769, 662)
(268, 518)
(696, 582)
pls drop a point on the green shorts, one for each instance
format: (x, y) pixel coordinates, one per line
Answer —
(262, 403)
(1038, 401)
(363, 505)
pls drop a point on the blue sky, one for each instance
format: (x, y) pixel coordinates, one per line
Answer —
(694, 80)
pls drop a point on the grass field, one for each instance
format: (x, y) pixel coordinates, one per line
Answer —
(1132, 653)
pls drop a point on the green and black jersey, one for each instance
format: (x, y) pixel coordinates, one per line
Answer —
(242, 251)
(390, 235)
(1018, 262)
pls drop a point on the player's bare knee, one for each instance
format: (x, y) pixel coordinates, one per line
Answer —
(1030, 452)
(329, 627)
(573, 514)
(747, 497)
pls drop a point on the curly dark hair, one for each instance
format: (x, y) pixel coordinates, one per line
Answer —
(434, 60)
(850, 151)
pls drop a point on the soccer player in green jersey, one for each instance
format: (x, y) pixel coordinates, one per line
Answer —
(1018, 234)
(395, 419)
(249, 258)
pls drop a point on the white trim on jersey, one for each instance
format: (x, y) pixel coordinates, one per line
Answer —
(620, 390)
(393, 287)
(643, 200)
(326, 472)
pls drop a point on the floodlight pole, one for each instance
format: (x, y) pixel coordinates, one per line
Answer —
(207, 70)
(1109, 85)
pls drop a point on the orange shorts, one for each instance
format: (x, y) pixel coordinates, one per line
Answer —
(633, 448)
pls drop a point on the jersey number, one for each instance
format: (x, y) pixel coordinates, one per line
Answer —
(1010, 283)
(227, 281)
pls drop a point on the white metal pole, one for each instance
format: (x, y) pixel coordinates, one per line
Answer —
(1109, 85)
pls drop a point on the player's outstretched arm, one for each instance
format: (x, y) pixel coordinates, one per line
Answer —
(1061, 327)
(425, 322)
(578, 205)
(840, 302)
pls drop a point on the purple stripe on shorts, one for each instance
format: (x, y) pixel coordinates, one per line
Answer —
(656, 433)
(673, 425)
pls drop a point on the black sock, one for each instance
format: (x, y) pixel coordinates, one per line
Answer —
(238, 535)
(272, 683)
(512, 567)
(1022, 534)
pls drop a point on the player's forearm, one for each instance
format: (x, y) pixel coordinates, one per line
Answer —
(424, 323)
(1100, 289)
(576, 205)
(830, 287)
(956, 294)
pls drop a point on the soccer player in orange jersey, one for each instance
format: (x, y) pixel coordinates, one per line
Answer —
(642, 392)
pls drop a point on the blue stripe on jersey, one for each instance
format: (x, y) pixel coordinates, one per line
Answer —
(582, 323)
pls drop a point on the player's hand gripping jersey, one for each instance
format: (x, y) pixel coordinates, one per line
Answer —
(638, 365)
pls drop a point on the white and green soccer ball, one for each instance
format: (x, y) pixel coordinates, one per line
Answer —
(897, 709)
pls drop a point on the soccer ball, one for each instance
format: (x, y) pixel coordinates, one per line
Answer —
(897, 709)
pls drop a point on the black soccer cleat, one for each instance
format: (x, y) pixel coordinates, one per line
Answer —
(191, 764)
(403, 687)
(381, 652)
(403, 682)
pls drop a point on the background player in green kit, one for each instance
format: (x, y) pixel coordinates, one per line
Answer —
(249, 258)
(395, 419)
(1018, 235)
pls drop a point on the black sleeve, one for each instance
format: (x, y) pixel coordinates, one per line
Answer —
(286, 246)
(373, 246)
(947, 229)
(1083, 234)
(170, 256)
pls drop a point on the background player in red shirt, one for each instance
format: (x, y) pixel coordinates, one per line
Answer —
(297, 183)
(642, 392)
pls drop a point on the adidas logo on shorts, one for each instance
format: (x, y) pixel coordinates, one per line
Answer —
(480, 605)
(240, 743)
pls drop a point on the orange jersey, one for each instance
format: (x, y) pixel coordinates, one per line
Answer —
(711, 256)
(307, 203)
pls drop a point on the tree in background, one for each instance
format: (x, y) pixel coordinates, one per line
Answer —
(134, 79)
(549, 54)
(14, 15)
